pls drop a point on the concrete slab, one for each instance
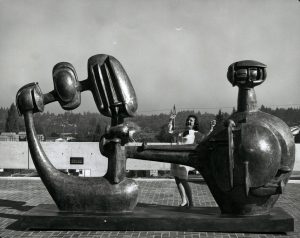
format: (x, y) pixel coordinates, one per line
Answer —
(145, 217)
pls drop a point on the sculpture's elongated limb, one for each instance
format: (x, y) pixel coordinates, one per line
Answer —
(77, 193)
(191, 155)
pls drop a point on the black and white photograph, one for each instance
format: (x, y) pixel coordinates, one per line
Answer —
(150, 119)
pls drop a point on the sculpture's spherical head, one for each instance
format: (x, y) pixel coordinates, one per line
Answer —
(247, 73)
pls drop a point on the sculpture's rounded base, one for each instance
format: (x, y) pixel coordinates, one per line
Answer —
(94, 194)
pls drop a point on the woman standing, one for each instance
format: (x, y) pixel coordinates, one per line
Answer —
(180, 172)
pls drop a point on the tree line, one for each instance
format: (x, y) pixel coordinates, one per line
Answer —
(89, 126)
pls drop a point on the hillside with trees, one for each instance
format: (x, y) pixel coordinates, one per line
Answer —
(91, 126)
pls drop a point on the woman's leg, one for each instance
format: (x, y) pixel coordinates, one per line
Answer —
(181, 191)
(188, 192)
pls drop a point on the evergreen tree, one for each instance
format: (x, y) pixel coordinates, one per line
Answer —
(233, 110)
(3, 116)
(11, 124)
(219, 117)
(164, 135)
(97, 133)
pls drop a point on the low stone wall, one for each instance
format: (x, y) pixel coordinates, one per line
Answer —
(15, 155)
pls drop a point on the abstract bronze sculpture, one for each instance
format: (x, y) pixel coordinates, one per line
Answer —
(113, 192)
(246, 162)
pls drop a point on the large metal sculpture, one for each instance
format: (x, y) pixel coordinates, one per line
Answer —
(246, 162)
(114, 97)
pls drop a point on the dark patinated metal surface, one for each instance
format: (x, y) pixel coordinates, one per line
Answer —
(115, 97)
(246, 161)
(78, 193)
(149, 217)
(111, 88)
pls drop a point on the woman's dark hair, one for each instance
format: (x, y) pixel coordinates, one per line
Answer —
(196, 125)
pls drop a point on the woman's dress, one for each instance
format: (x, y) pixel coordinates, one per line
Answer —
(178, 170)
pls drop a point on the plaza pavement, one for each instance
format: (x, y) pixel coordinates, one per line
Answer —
(18, 195)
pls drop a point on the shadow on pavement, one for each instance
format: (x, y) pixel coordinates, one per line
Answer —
(17, 205)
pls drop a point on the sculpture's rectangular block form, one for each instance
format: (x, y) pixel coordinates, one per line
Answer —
(148, 217)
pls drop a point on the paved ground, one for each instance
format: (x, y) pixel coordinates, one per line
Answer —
(18, 195)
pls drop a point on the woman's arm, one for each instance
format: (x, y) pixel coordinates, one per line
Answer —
(212, 125)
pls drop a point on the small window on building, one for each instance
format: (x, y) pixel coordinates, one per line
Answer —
(76, 160)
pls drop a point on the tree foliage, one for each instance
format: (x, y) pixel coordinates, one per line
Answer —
(12, 120)
(91, 126)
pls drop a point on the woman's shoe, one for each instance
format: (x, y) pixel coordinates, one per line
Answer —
(184, 205)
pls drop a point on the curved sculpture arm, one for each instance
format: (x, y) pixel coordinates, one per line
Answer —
(77, 193)
(44, 167)
(73, 193)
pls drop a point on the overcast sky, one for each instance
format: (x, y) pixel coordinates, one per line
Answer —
(174, 51)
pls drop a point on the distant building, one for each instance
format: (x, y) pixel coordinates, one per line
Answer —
(21, 136)
(64, 137)
(41, 137)
(71, 138)
(65, 134)
(9, 136)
